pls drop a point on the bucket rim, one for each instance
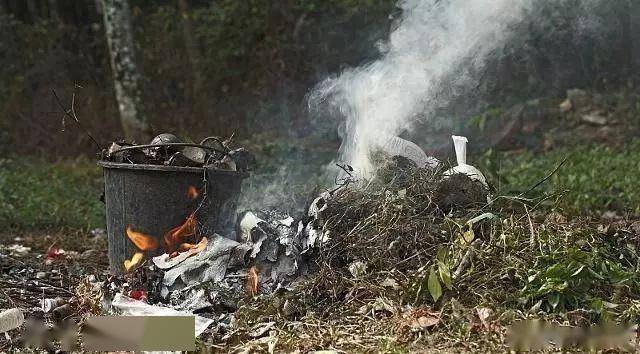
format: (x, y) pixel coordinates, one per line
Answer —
(163, 168)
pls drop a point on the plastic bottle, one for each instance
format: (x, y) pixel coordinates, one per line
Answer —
(11, 319)
(394, 145)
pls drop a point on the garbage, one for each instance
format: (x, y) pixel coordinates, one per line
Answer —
(18, 250)
(167, 149)
(396, 146)
(11, 319)
(53, 253)
(130, 307)
(48, 305)
(460, 144)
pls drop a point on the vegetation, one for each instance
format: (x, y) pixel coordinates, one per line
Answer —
(400, 273)
(35, 195)
(594, 179)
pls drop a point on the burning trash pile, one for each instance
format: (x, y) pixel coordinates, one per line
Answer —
(190, 269)
(414, 249)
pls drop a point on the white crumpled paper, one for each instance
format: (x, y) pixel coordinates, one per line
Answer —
(130, 307)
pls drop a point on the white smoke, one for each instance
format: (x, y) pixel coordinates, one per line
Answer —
(433, 40)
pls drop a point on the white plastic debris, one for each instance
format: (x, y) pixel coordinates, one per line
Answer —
(396, 146)
(460, 144)
(48, 305)
(18, 250)
(130, 307)
(11, 319)
(248, 222)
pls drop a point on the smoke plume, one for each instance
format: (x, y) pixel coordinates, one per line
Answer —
(436, 45)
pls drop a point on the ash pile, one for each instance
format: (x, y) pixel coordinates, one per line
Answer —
(266, 254)
(168, 150)
(359, 225)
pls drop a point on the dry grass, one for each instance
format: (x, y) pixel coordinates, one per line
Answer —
(435, 281)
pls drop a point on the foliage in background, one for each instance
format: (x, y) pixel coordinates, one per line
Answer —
(594, 178)
(257, 59)
(41, 196)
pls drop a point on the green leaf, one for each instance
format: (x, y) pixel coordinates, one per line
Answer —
(445, 275)
(468, 235)
(434, 285)
(578, 271)
(442, 258)
(442, 255)
(554, 300)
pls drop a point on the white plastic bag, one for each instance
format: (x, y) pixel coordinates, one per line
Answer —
(460, 145)
(394, 145)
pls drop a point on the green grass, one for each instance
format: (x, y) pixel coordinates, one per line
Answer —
(38, 195)
(594, 178)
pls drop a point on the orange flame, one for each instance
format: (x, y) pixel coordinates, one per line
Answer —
(142, 241)
(193, 249)
(135, 260)
(253, 284)
(173, 238)
(192, 192)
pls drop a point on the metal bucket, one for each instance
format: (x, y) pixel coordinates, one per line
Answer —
(153, 199)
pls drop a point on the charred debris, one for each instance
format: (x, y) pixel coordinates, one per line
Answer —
(168, 150)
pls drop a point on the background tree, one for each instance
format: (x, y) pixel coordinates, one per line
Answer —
(126, 76)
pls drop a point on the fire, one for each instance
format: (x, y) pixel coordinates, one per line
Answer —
(253, 283)
(176, 240)
(192, 192)
(142, 241)
(135, 260)
(184, 247)
(174, 237)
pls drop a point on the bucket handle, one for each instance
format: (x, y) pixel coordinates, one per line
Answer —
(148, 146)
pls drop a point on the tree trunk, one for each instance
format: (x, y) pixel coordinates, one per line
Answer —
(126, 76)
(193, 50)
(34, 13)
(54, 14)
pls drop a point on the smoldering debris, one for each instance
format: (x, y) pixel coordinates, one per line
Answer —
(354, 229)
(269, 252)
(169, 150)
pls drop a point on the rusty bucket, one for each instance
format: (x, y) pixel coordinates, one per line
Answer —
(154, 199)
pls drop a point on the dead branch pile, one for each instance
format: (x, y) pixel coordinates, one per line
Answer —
(390, 227)
(397, 261)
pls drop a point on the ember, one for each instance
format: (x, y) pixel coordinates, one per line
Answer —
(192, 192)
